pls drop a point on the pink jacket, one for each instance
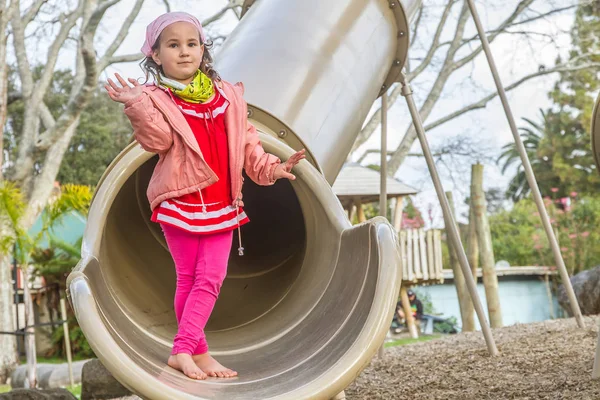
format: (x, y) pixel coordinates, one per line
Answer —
(160, 127)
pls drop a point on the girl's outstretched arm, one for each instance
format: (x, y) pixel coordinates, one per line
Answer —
(259, 165)
(264, 168)
(150, 128)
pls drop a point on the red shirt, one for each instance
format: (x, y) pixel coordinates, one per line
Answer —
(209, 210)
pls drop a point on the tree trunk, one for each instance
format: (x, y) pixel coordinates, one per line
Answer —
(464, 299)
(486, 252)
(8, 343)
(4, 18)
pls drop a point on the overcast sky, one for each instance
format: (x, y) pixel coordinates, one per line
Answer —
(515, 58)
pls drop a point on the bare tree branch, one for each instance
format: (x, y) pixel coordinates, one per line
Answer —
(502, 27)
(33, 11)
(435, 93)
(232, 5)
(123, 59)
(434, 45)
(114, 46)
(67, 24)
(483, 102)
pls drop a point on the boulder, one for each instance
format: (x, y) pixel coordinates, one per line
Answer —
(586, 286)
(49, 375)
(98, 383)
(35, 394)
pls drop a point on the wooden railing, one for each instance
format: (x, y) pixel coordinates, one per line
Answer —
(421, 253)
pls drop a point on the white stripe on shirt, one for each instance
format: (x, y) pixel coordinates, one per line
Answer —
(199, 229)
(199, 214)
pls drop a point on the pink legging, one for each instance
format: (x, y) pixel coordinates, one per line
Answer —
(201, 266)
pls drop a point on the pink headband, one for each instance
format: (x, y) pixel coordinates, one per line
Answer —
(156, 27)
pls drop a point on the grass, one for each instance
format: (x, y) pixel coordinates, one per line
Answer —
(52, 360)
(404, 342)
(76, 390)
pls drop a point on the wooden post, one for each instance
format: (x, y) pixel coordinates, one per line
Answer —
(549, 293)
(398, 213)
(464, 300)
(409, 256)
(486, 252)
(472, 245)
(430, 255)
(406, 275)
(360, 210)
(63, 316)
(437, 255)
(416, 254)
(410, 321)
(423, 253)
(30, 352)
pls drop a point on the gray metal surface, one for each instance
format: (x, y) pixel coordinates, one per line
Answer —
(316, 66)
(309, 304)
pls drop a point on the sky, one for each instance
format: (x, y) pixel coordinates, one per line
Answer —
(514, 55)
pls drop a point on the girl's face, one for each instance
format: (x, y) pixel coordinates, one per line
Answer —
(179, 52)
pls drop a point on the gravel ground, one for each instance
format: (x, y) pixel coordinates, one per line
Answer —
(546, 360)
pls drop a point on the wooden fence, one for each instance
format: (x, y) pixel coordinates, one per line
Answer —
(421, 253)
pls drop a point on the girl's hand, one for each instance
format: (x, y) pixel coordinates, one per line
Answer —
(283, 169)
(125, 93)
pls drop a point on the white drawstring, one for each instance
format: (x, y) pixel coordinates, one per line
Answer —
(237, 210)
(202, 200)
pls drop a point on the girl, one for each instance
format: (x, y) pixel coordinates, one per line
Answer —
(197, 124)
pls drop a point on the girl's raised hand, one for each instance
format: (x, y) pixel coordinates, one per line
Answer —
(283, 170)
(123, 93)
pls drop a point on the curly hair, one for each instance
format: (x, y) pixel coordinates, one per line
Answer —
(150, 67)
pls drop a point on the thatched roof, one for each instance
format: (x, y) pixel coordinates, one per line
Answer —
(355, 180)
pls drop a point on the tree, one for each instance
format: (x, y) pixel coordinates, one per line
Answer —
(44, 138)
(560, 155)
(574, 91)
(103, 131)
(12, 210)
(457, 54)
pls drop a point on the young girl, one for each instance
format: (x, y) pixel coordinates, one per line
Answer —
(197, 123)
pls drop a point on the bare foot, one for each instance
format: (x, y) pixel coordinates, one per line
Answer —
(212, 367)
(184, 363)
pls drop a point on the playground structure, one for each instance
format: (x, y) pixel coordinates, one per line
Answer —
(288, 318)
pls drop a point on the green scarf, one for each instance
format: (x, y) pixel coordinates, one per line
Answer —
(198, 90)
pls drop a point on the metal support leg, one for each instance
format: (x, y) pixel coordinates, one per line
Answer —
(383, 177)
(451, 229)
(527, 167)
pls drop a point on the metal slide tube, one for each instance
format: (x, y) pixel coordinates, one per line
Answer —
(309, 304)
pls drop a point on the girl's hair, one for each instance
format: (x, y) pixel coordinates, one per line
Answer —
(150, 67)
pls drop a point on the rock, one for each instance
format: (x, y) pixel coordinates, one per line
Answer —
(98, 383)
(586, 286)
(49, 375)
(34, 394)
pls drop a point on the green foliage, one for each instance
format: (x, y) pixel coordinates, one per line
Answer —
(103, 131)
(12, 208)
(79, 344)
(560, 154)
(56, 261)
(519, 237)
